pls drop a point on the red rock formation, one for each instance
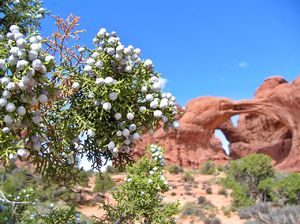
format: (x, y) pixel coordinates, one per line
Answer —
(275, 132)
(269, 123)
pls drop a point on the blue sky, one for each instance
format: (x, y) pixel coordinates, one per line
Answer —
(202, 47)
(211, 47)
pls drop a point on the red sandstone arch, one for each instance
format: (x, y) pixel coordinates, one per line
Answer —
(276, 103)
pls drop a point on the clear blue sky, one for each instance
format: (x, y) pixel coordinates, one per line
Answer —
(211, 47)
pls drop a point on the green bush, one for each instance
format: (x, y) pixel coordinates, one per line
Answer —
(240, 196)
(246, 177)
(201, 200)
(250, 170)
(200, 210)
(175, 169)
(208, 168)
(188, 177)
(265, 187)
(287, 190)
(52, 215)
(83, 177)
(15, 181)
(139, 199)
(103, 183)
(191, 209)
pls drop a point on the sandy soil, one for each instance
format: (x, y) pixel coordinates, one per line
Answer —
(182, 191)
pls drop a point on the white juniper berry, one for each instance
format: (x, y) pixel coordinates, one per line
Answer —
(21, 111)
(148, 63)
(2, 64)
(8, 119)
(10, 107)
(136, 136)
(81, 49)
(125, 132)
(5, 130)
(109, 81)
(106, 106)
(113, 96)
(100, 81)
(175, 124)
(76, 86)
(118, 116)
(113, 92)
(130, 116)
(3, 102)
(28, 60)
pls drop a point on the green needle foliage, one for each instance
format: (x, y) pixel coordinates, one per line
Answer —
(139, 199)
(24, 13)
(61, 101)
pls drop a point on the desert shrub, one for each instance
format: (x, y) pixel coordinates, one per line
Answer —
(208, 190)
(244, 176)
(221, 168)
(244, 214)
(241, 196)
(139, 199)
(201, 200)
(265, 213)
(69, 197)
(287, 190)
(191, 209)
(204, 204)
(227, 211)
(222, 191)
(188, 177)
(250, 170)
(252, 222)
(265, 188)
(173, 194)
(83, 177)
(208, 168)
(214, 220)
(103, 183)
(47, 193)
(175, 169)
(16, 181)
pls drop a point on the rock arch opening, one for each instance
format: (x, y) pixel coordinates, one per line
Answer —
(235, 119)
(257, 132)
(225, 143)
